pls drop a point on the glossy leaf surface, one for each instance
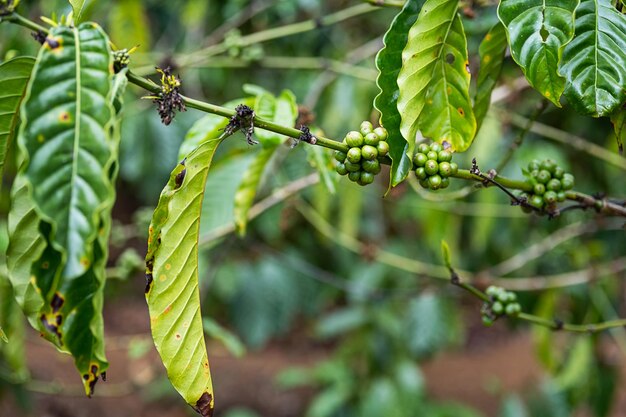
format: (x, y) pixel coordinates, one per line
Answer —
(593, 62)
(66, 138)
(538, 30)
(434, 79)
(389, 63)
(172, 274)
(14, 76)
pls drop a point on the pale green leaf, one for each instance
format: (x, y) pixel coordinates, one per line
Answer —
(14, 76)
(389, 63)
(129, 25)
(434, 79)
(224, 336)
(247, 190)
(538, 30)
(172, 272)
(491, 52)
(593, 62)
(77, 10)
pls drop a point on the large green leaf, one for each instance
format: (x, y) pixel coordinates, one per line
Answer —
(248, 187)
(14, 75)
(593, 62)
(434, 79)
(491, 52)
(389, 62)
(66, 139)
(538, 30)
(172, 274)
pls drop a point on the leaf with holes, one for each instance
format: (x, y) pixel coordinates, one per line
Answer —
(491, 52)
(538, 30)
(593, 62)
(434, 79)
(247, 189)
(172, 279)
(66, 138)
(389, 62)
(14, 76)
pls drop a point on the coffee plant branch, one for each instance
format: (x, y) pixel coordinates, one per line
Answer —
(599, 204)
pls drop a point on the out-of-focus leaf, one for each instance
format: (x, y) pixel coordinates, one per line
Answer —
(512, 406)
(538, 30)
(543, 337)
(434, 80)
(328, 402)
(389, 63)
(172, 274)
(129, 25)
(248, 187)
(593, 62)
(578, 365)
(491, 52)
(12, 351)
(14, 75)
(381, 399)
(227, 338)
(342, 321)
(618, 119)
(430, 325)
(322, 160)
(445, 251)
(77, 10)
(550, 401)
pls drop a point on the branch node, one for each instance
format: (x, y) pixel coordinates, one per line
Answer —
(243, 120)
(558, 324)
(39, 36)
(306, 135)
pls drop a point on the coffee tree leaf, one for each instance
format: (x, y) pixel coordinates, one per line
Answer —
(172, 279)
(434, 80)
(14, 75)
(66, 139)
(538, 30)
(618, 119)
(247, 190)
(389, 63)
(593, 62)
(491, 52)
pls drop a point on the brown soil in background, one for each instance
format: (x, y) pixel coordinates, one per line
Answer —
(493, 360)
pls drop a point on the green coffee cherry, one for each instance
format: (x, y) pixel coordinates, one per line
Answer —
(354, 155)
(341, 169)
(444, 156)
(354, 176)
(383, 148)
(436, 147)
(352, 167)
(371, 139)
(550, 197)
(381, 132)
(434, 181)
(445, 170)
(366, 127)
(549, 165)
(536, 201)
(421, 174)
(354, 139)
(554, 185)
(544, 176)
(340, 156)
(549, 183)
(454, 167)
(497, 308)
(419, 160)
(369, 152)
(487, 321)
(431, 167)
(423, 148)
(372, 167)
(445, 183)
(539, 189)
(432, 155)
(366, 178)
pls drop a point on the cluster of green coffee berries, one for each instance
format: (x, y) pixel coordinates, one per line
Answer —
(433, 166)
(549, 181)
(361, 163)
(501, 303)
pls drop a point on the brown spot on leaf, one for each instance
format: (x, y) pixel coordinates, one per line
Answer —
(450, 58)
(461, 111)
(53, 43)
(51, 326)
(64, 116)
(204, 406)
(57, 302)
(177, 336)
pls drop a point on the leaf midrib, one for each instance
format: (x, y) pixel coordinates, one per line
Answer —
(74, 172)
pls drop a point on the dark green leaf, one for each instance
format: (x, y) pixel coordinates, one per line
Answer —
(389, 63)
(593, 62)
(538, 30)
(491, 52)
(434, 80)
